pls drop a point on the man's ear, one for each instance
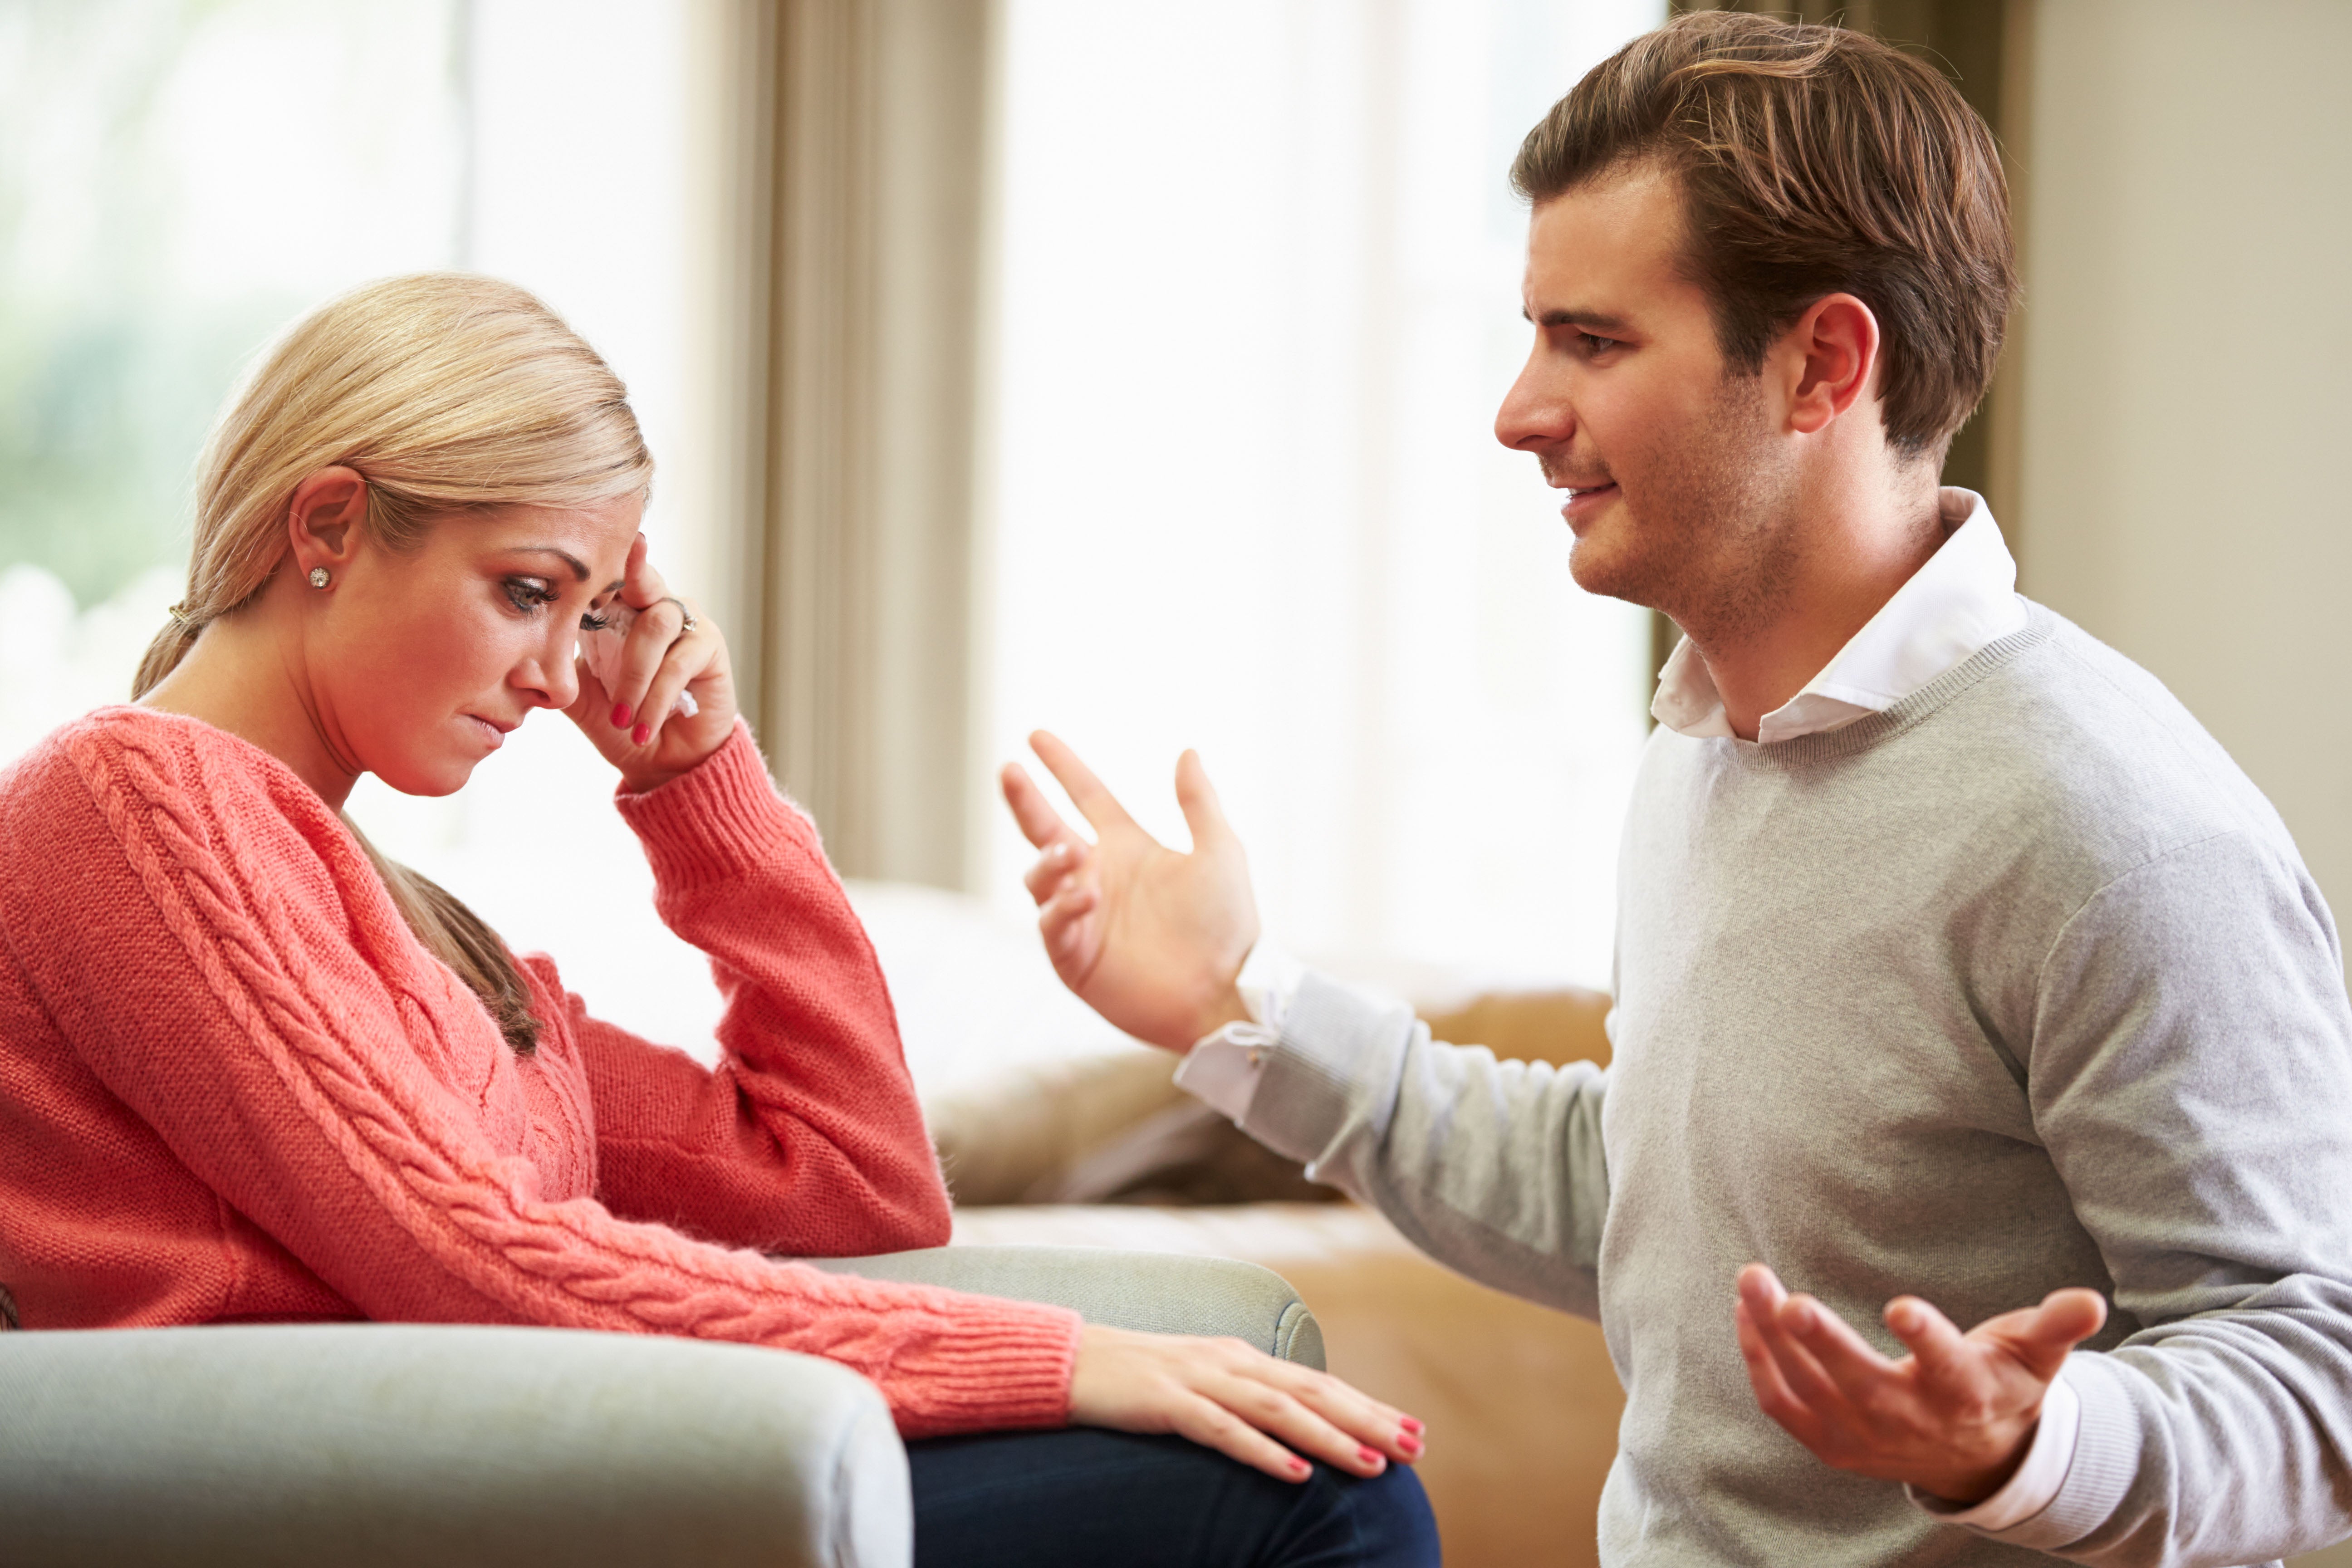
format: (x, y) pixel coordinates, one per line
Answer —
(323, 520)
(1831, 360)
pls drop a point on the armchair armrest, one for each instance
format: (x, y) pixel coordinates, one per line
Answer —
(382, 1446)
(1165, 1293)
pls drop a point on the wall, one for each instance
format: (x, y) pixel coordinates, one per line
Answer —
(2186, 369)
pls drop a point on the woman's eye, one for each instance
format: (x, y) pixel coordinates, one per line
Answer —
(592, 621)
(529, 595)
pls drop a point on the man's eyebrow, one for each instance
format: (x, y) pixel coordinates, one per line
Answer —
(1600, 322)
(579, 567)
(1596, 321)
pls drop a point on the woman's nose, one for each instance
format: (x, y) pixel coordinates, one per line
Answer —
(552, 676)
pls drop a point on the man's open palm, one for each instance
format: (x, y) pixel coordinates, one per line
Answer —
(1953, 1419)
(1149, 938)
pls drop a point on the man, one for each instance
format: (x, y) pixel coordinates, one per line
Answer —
(1960, 975)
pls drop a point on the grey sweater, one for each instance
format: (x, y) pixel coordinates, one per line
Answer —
(2017, 984)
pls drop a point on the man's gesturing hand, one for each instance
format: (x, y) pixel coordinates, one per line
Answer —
(1150, 938)
(1953, 1419)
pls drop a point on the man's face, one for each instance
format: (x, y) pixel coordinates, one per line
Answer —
(1676, 487)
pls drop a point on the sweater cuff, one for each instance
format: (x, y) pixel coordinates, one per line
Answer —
(2038, 1478)
(717, 819)
(996, 1370)
(2107, 1458)
(1338, 1049)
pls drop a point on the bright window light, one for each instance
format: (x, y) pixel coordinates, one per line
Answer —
(1260, 300)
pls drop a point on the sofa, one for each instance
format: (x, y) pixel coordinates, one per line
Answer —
(396, 1446)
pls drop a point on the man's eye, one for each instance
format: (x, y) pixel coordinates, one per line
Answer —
(1596, 344)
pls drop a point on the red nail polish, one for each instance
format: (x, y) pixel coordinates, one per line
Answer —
(620, 715)
(1410, 1424)
(1411, 1445)
(642, 733)
(1298, 1467)
(1369, 1456)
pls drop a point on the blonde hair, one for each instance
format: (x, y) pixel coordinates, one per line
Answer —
(446, 392)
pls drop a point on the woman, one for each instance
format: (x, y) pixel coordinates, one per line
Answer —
(257, 1072)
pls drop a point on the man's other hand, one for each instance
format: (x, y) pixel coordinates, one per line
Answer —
(1953, 1419)
(1150, 938)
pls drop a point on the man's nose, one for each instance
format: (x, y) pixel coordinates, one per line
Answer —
(1534, 416)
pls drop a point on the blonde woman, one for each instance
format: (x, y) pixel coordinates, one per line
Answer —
(257, 1072)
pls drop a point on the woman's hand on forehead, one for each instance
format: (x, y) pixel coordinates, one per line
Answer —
(668, 651)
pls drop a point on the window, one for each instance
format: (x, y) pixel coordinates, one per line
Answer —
(182, 179)
(185, 178)
(1260, 272)
(1253, 301)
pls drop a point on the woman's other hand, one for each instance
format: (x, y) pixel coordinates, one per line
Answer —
(1151, 938)
(636, 725)
(1226, 1395)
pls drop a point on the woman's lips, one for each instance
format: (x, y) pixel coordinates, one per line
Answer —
(1584, 500)
(490, 732)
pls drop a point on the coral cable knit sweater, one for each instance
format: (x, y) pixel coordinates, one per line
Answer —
(233, 1085)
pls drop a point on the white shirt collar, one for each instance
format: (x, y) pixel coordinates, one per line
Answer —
(1962, 598)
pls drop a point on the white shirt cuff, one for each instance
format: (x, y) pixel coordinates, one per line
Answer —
(1222, 1069)
(1269, 979)
(2039, 1479)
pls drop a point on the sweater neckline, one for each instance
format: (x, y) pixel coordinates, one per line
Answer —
(211, 735)
(1846, 739)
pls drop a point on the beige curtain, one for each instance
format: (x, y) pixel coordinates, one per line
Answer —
(856, 165)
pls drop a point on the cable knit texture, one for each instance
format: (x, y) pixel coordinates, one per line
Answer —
(233, 1085)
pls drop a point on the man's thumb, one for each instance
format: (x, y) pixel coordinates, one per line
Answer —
(2064, 1321)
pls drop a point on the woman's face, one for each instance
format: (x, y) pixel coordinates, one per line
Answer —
(425, 660)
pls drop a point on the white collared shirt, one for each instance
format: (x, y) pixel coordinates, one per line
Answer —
(1964, 597)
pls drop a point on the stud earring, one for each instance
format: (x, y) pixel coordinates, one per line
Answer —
(320, 577)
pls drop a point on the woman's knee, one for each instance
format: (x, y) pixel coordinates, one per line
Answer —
(1382, 1522)
(1088, 1496)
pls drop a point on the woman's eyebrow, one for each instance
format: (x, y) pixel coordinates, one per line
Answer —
(579, 567)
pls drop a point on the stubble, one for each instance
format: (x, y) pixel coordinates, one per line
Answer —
(1708, 534)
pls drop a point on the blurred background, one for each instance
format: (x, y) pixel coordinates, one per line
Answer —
(1129, 369)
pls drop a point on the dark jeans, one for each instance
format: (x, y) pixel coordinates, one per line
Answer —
(1086, 1497)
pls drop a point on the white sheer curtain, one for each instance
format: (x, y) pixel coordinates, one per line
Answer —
(177, 181)
(1258, 287)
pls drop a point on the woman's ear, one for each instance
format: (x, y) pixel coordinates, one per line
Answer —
(323, 522)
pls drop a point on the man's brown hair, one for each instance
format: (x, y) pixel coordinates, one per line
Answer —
(1813, 161)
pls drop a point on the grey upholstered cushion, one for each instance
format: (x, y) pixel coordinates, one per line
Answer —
(370, 1445)
(1162, 1293)
(384, 1445)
